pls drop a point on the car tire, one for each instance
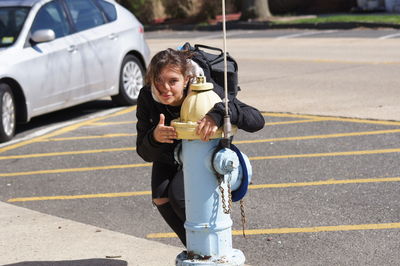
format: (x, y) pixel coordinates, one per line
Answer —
(7, 113)
(131, 80)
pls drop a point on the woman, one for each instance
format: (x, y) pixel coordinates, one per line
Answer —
(159, 102)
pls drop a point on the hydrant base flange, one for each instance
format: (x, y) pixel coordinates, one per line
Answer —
(235, 259)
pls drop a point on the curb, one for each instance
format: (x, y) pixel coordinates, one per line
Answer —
(236, 25)
(31, 238)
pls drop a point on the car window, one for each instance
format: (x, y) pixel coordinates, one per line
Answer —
(109, 10)
(51, 16)
(11, 21)
(85, 14)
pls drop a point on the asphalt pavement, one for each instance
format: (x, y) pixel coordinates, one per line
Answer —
(32, 238)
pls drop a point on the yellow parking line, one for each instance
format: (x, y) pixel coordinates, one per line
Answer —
(316, 229)
(290, 115)
(70, 170)
(25, 156)
(38, 155)
(66, 129)
(339, 135)
(325, 61)
(295, 122)
(89, 196)
(339, 119)
(349, 153)
(330, 154)
(364, 121)
(365, 133)
(88, 137)
(112, 123)
(327, 182)
(260, 186)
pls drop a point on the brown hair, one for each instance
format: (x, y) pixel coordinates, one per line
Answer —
(169, 57)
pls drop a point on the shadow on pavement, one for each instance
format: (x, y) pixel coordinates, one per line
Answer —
(89, 262)
(64, 115)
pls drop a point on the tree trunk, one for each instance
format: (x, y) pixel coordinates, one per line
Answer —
(255, 9)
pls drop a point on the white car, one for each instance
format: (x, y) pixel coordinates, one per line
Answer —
(59, 53)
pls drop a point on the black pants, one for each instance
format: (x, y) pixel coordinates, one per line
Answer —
(167, 182)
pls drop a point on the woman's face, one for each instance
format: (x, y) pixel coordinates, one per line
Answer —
(170, 85)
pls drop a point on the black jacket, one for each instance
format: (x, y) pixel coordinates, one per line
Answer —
(148, 115)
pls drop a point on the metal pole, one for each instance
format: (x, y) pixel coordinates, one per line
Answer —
(227, 120)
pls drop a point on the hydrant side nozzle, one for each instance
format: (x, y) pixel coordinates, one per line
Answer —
(225, 161)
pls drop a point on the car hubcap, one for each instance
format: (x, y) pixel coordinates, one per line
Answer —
(132, 79)
(8, 114)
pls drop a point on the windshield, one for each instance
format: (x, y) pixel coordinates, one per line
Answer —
(11, 21)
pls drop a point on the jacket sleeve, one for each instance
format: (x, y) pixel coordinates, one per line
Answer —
(146, 146)
(245, 117)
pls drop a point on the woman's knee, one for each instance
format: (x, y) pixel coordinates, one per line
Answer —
(160, 201)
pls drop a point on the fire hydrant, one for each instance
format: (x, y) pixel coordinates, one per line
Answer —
(208, 225)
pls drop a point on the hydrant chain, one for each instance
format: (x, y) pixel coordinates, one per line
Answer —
(221, 189)
(227, 210)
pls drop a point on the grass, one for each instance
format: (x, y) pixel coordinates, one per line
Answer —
(393, 19)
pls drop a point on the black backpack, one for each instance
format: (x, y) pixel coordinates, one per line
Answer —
(213, 66)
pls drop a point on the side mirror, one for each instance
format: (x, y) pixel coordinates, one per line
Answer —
(43, 36)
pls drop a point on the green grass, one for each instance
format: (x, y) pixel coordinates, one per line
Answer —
(394, 19)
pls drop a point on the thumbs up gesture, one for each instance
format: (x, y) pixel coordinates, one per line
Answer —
(162, 133)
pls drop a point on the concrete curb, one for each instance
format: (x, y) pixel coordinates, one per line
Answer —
(30, 238)
(236, 25)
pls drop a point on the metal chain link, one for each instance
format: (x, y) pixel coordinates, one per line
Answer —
(229, 197)
(227, 210)
(243, 217)
(221, 189)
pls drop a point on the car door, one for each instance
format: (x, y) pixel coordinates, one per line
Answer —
(95, 43)
(55, 65)
(114, 48)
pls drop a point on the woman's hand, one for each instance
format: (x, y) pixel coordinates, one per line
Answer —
(206, 128)
(162, 133)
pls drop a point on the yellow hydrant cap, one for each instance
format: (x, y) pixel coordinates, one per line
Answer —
(200, 100)
(201, 84)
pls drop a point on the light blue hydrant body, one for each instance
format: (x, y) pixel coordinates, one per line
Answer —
(208, 228)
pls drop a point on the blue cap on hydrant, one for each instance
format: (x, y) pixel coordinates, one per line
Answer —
(239, 193)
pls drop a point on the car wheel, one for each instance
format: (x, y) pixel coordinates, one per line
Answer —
(131, 80)
(7, 113)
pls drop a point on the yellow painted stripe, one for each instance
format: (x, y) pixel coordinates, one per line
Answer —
(236, 142)
(294, 122)
(66, 129)
(291, 115)
(351, 134)
(327, 182)
(348, 153)
(89, 196)
(70, 170)
(377, 122)
(340, 119)
(339, 135)
(316, 229)
(112, 123)
(260, 186)
(38, 155)
(88, 137)
(327, 61)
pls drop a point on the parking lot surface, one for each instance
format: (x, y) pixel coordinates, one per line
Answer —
(324, 190)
